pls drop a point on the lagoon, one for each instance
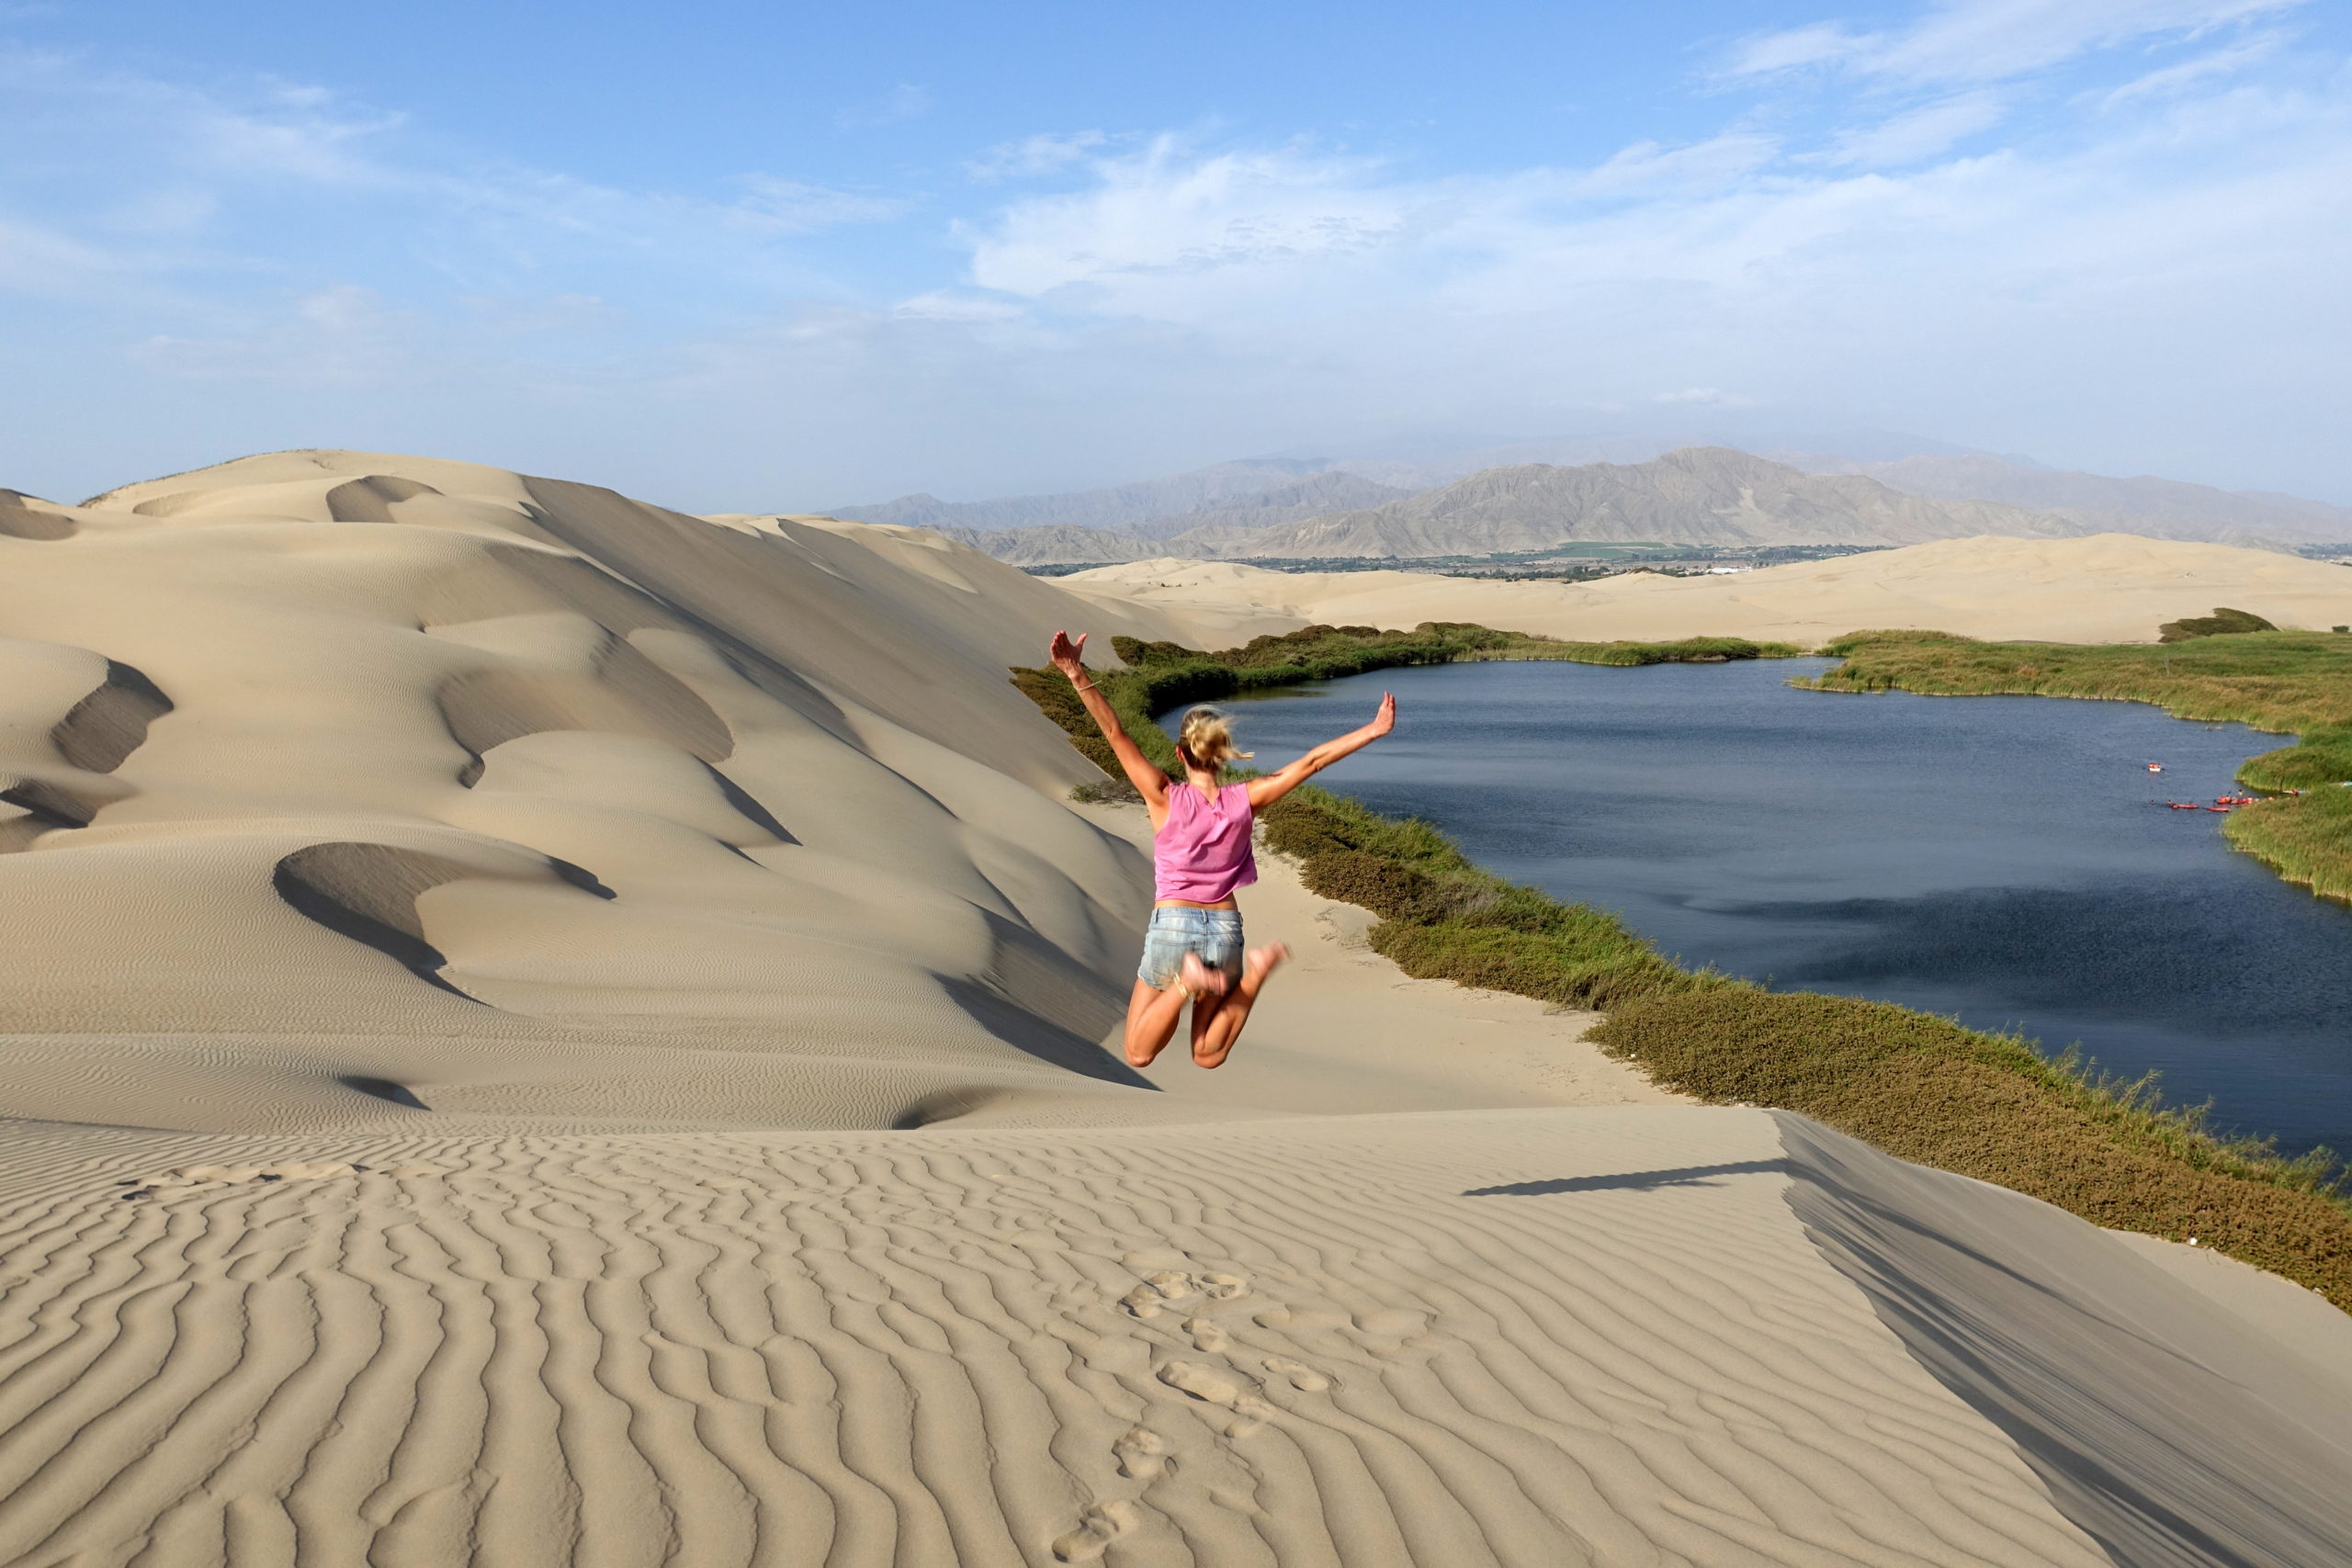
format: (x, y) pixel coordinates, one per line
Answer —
(1994, 858)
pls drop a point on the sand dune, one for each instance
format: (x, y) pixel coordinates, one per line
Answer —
(544, 1030)
(2106, 588)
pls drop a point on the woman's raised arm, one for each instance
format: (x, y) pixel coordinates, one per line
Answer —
(1275, 786)
(1148, 780)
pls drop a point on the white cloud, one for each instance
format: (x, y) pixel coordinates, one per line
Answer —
(1647, 167)
(789, 206)
(1702, 397)
(1165, 213)
(949, 305)
(905, 101)
(2172, 80)
(2097, 274)
(1040, 154)
(139, 179)
(342, 336)
(1918, 133)
(1988, 40)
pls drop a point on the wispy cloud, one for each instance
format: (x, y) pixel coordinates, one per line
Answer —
(1918, 133)
(789, 207)
(905, 101)
(1987, 40)
(1040, 154)
(1701, 397)
(2187, 74)
(141, 178)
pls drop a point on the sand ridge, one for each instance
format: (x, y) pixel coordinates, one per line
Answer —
(2103, 588)
(539, 1029)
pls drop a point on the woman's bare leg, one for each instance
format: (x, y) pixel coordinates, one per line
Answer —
(1151, 1020)
(1213, 1039)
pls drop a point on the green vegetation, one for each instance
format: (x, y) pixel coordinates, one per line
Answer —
(1920, 1087)
(1989, 1106)
(1445, 918)
(2297, 683)
(2222, 622)
(1161, 675)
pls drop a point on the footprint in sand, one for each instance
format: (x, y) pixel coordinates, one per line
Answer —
(1140, 1454)
(216, 1175)
(1201, 1382)
(1250, 1414)
(1097, 1528)
(1209, 1337)
(1158, 1290)
(1300, 1377)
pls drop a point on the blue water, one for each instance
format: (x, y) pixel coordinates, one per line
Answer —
(1997, 858)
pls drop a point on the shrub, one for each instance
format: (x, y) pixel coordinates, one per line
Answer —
(2324, 756)
(2220, 622)
(1300, 825)
(1596, 968)
(1987, 1106)
(1390, 889)
(2305, 839)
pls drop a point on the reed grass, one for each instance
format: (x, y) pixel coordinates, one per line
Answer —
(2305, 839)
(2298, 682)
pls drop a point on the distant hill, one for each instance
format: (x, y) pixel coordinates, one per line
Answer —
(1058, 544)
(1110, 506)
(2163, 509)
(1292, 487)
(1858, 487)
(1317, 495)
(1701, 495)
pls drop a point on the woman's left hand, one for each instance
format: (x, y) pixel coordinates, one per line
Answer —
(1385, 719)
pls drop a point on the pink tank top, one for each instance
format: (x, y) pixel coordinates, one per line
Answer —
(1202, 853)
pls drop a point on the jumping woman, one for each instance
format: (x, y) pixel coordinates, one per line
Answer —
(1200, 854)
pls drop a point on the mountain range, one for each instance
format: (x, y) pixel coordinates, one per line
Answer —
(1651, 490)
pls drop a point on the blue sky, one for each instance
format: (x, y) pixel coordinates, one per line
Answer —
(781, 256)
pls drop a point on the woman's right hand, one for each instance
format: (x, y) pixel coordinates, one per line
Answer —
(1068, 656)
(1385, 719)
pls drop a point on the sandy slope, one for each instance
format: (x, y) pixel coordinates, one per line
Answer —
(541, 1030)
(2107, 588)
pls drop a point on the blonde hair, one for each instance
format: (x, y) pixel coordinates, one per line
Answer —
(1207, 740)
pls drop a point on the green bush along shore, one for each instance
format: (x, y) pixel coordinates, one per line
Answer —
(1920, 1087)
(2297, 683)
(1161, 675)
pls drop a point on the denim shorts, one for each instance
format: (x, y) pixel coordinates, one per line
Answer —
(1214, 934)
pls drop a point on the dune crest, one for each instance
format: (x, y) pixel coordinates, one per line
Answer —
(2104, 588)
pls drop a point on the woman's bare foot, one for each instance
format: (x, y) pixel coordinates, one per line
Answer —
(1263, 962)
(1198, 979)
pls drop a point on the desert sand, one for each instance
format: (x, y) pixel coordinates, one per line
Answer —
(2104, 588)
(539, 1029)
